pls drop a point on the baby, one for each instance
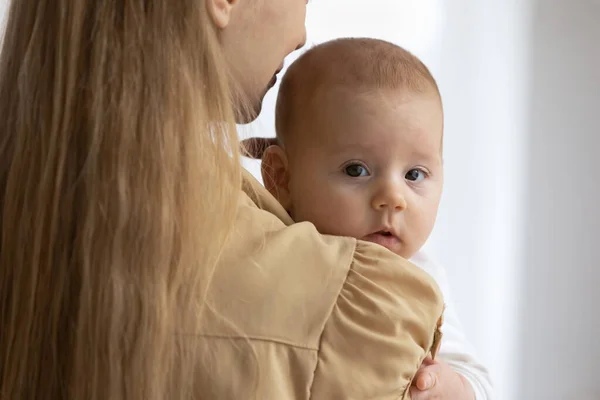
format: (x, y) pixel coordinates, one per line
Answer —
(359, 153)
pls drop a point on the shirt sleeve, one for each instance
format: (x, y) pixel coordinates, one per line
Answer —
(380, 329)
(455, 349)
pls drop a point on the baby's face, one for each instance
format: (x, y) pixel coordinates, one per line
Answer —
(369, 166)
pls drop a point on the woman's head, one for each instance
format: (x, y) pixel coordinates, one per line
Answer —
(118, 181)
(256, 36)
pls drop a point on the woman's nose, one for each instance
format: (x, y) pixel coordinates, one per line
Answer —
(389, 198)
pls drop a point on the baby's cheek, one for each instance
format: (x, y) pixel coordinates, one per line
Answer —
(330, 212)
(314, 207)
(422, 224)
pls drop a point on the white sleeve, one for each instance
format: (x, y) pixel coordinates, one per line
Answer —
(455, 348)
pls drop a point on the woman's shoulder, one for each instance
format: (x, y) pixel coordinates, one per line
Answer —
(274, 273)
(324, 314)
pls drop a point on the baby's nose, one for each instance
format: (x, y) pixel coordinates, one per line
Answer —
(390, 199)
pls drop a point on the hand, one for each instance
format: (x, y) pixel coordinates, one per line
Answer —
(435, 380)
(255, 147)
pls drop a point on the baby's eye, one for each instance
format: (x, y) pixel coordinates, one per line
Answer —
(415, 175)
(356, 170)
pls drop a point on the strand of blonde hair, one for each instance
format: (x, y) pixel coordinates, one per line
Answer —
(118, 190)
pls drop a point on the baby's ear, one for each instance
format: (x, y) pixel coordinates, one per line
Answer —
(275, 174)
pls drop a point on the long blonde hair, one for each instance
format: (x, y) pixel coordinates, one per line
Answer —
(119, 175)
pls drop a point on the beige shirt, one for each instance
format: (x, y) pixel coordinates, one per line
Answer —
(294, 314)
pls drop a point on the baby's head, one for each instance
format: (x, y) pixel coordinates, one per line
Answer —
(359, 125)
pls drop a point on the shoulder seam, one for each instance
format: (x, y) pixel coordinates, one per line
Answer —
(259, 339)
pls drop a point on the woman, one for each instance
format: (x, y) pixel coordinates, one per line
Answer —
(132, 265)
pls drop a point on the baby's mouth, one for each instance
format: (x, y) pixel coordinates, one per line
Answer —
(386, 239)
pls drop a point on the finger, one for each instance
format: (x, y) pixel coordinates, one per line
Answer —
(428, 377)
(426, 381)
(255, 147)
(418, 376)
(416, 394)
(424, 370)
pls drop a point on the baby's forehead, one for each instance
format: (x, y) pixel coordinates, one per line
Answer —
(344, 121)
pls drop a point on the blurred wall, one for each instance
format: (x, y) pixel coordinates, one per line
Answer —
(560, 318)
